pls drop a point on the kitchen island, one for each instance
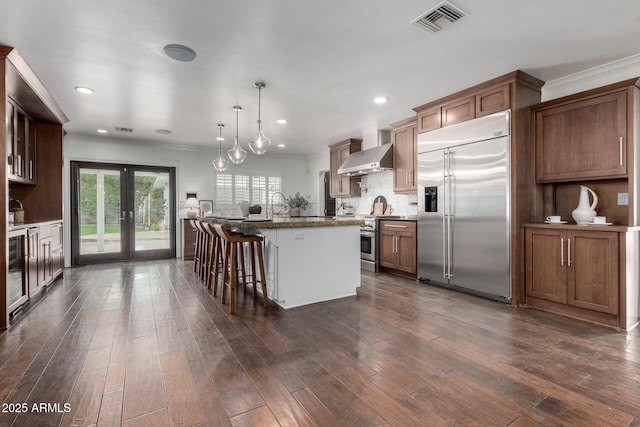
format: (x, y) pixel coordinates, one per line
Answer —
(307, 259)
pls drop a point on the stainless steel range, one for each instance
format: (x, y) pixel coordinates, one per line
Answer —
(369, 241)
(368, 245)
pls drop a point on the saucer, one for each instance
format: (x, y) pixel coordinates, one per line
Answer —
(601, 223)
(555, 222)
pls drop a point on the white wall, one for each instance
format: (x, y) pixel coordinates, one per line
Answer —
(194, 172)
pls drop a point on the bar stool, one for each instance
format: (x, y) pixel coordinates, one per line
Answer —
(197, 246)
(213, 264)
(202, 246)
(233, 243)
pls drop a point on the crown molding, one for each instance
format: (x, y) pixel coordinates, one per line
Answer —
(592, 78)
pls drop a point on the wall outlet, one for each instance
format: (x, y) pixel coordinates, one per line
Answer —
(623, 199)
(298, 236)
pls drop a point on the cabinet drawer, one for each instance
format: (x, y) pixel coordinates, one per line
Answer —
(407, 226)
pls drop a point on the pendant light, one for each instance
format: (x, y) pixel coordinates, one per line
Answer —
(237, 154)
(220, 164)
(260, 144)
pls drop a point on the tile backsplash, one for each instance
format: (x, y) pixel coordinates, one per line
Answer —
(379, 184)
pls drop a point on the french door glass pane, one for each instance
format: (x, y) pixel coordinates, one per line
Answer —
(99, 211)
(151, 211)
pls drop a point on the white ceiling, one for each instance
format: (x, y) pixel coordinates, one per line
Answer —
(323, 61)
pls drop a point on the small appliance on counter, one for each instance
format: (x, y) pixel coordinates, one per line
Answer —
(16, 212)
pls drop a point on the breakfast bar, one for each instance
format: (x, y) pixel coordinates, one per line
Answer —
(307, 259)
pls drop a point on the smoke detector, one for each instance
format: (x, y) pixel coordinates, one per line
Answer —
(439, 17)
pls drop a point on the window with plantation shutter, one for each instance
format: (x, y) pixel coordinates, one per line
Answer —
(231, 189)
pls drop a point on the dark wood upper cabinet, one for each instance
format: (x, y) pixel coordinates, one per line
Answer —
(429, 119)
(458, 111)
(342, 185)
(582, 139)
(404, 156)
(492, 100)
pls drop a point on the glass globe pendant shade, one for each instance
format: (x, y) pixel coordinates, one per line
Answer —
(237, 154)
(220, 164)
(260, 144)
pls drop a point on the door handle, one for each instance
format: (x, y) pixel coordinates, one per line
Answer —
(568, 252)
(562, 251)
(621, 147)
(124, 216)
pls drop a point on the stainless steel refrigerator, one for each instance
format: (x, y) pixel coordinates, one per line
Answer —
(463, 206)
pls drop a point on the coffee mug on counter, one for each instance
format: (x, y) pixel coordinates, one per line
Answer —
(554, 218)
(598, 220)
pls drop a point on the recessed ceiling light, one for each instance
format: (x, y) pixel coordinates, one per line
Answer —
(281, 121)
(179, 52)
(101, 131)
(380, 100)
(281, 145)
(85, 90)
(163, 131)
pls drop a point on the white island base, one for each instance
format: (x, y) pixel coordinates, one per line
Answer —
(309, 265)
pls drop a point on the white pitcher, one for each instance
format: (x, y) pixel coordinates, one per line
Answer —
(584, 211)
(244, 208)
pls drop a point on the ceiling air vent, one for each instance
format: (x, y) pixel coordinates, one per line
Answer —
(127, 130)
(439, 17)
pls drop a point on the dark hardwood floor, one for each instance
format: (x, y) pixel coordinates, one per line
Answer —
(144, 344)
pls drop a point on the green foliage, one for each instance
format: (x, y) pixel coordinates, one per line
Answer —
(298, 201)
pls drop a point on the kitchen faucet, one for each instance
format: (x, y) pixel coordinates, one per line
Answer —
(284, 199)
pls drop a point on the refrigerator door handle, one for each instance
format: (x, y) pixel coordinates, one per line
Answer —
(451, 210)
(444, 216)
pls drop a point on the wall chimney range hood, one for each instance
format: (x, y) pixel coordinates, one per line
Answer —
(371, 160)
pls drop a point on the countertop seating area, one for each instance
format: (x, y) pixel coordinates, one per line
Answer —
(220, 258)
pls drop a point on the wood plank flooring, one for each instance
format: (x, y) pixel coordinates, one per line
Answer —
(145, 344)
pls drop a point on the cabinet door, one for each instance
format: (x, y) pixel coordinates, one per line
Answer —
(458, 111)
(45, 264)
(492, 101)
(593, 271)
(334, 164)
(545, 265)
(33, 258)
(429, 120)
(582, 140)
(387, 249)
(406, 247)
(189, 236)
(404, 160)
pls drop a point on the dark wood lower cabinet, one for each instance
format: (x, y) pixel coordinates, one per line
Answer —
(189, 240)
(45, 256)
(575, 272)
(398, 246)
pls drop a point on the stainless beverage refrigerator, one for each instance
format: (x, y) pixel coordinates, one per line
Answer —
(463, 206)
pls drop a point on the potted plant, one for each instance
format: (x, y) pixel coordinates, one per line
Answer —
(297, 202)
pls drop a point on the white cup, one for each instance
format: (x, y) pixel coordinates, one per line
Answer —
(598, 220)
(554, 218)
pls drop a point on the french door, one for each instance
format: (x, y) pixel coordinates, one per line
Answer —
(121, 212)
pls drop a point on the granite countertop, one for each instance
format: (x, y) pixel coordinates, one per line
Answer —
(24, 225)
(299, 222)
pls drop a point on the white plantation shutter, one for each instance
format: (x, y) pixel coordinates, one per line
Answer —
(259, 190)
(242, 188)
(224, 188)
(275, 184)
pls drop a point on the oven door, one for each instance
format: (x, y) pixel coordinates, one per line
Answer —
(368, 245)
